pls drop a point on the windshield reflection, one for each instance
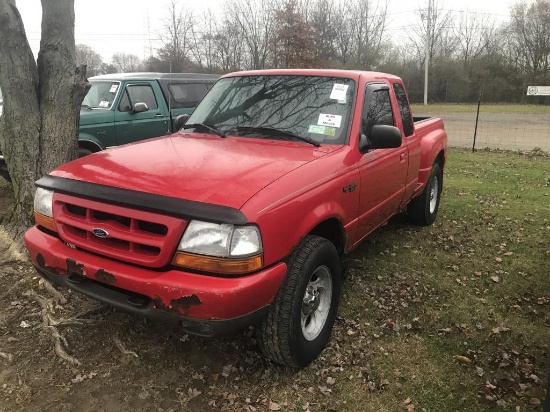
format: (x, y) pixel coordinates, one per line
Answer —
(315, 107)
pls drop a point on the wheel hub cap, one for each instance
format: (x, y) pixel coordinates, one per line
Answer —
(316, 303)
(433, 194)
(311, 300)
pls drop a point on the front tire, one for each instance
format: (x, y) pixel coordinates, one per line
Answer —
(298, 324)
(422, 210)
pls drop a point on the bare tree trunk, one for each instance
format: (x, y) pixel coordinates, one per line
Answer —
(39, 127)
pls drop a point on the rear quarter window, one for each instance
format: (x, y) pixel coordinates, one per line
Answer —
(404, 108)
(187, 94)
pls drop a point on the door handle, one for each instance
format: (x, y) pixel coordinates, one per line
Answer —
(159, 115)
(403, 156)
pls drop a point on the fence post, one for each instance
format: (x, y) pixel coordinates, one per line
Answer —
(477, 118)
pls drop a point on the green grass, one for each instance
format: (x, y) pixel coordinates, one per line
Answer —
(439, 109)
(483, 265)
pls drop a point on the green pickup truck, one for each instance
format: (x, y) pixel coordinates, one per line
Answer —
(125, 108)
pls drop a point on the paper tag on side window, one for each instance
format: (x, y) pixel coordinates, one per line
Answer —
(113, 88)
(339, 92)
(104, 103)
(332, 120)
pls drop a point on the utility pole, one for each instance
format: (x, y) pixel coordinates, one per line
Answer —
(427, 57)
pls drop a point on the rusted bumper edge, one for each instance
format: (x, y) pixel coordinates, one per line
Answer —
(203, 305)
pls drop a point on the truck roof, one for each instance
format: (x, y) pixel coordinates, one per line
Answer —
(354, 74)
(157, 76)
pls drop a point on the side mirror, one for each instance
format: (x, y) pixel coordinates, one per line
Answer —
(181, 120)
(140, 107)
(381, 137)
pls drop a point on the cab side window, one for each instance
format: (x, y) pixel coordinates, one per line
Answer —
(376, 108)
(187, 94)
(404, 108)
(137, 93)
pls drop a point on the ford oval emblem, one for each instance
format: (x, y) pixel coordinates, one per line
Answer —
(102, 233)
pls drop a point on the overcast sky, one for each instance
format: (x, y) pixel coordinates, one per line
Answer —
(132, 26)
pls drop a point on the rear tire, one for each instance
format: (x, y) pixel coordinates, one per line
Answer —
(298, 324)
(84, 152)
(422, 210)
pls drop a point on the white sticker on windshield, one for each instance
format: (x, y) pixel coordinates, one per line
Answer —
(103, 103)
(113, 88)
(332, 120)
(339, 92)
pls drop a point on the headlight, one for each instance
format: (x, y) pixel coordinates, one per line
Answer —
(43, 202)
(221, 240)
(220, 248)
(43, 209)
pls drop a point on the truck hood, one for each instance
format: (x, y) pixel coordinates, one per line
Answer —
(195, 166)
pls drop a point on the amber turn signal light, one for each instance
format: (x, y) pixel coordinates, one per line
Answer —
(223, 266)
(45, 221)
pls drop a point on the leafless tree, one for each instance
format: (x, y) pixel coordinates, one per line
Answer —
(257, 25)
(371, 21)
(228, 40)
(442, 39)
(322, 19)
(344, 19)
(474, 35)
(529, 33)
(176, 36)
(92, 59)
(126, 63)
(203, 41)
(39, 126)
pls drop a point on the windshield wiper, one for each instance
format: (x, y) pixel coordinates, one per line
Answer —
(85, 106)
(274, 131)
(210, 128)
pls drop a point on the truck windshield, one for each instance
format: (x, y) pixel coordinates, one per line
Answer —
(101, 95)
(314, 107)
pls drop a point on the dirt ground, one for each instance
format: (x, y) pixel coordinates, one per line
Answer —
(499, 131)
(107, 360)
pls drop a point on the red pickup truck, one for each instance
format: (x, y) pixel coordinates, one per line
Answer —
(244, 216)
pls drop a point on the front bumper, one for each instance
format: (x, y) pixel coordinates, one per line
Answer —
(204, 305)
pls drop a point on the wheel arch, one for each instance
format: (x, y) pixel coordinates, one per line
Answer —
(332, 230)
(440, 159)
(86, 143)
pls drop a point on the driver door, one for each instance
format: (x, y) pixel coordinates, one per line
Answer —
(131, 126)
(383, 172)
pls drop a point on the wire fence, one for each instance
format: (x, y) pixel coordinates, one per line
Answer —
(508, 130)
(499, 131)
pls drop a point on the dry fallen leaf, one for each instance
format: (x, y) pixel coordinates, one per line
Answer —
(463, 359)
(500, 329)
(331, 380)
(495, 279)
(498, 260)
(324, 390)
(274, 406)
(534, 401)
